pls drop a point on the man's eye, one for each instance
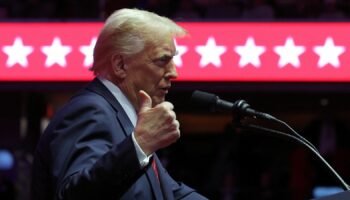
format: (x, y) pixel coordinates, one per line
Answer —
(162, 60)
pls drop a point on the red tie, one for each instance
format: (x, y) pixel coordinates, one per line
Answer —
(154, 166)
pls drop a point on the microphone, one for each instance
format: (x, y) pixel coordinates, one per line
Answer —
(212, 102)
(242, 108)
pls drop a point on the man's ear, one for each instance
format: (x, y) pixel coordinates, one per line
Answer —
(118, 66)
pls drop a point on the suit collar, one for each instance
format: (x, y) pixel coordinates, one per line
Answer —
(122, 99)
(97, 87)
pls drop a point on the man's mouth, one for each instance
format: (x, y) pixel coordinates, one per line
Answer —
(165, 89)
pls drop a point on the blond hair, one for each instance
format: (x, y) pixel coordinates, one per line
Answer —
(127, 31)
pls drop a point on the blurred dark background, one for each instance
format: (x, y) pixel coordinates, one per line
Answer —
(179, 9)
(219, 160)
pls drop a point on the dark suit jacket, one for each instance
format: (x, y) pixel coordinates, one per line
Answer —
(87, 152)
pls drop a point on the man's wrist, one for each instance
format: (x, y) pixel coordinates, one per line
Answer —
(142, 157)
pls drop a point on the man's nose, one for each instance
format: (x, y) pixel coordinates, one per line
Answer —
(171, 72)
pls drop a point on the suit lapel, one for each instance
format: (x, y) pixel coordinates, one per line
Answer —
(156, 187)
(166, 190)
(97, 87)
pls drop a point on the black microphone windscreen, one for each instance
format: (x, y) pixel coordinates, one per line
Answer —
(204, 100)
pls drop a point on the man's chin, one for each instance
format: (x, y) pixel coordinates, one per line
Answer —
(157, 100)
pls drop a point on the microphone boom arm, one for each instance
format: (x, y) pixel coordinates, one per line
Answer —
(241, 108)
(283, 135)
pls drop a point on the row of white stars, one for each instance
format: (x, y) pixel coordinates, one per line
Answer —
(250, 53)
(55, 53)
(210, 53)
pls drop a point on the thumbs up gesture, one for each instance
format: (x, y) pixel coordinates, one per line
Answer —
(156, 127)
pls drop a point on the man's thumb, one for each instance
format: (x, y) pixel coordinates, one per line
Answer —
(145, 101)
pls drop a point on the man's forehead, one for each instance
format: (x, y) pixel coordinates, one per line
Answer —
(165, 50)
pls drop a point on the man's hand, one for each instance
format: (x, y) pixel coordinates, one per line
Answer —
(156, 127)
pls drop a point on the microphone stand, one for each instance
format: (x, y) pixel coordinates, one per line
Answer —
(297, 139)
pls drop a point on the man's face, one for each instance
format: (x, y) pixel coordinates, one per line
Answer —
(151, 70)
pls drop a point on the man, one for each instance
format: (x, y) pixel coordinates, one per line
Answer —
(102, 143)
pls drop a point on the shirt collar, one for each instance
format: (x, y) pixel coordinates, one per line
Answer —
(122, 99)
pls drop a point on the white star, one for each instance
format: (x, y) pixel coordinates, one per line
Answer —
(250, 53)
(329, 53)
(56, 53)
(17, 53)
(210, 53)
(88, 51)
(289, 53)
(180, 51)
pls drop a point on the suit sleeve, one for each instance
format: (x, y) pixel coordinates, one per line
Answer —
(91, 156)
